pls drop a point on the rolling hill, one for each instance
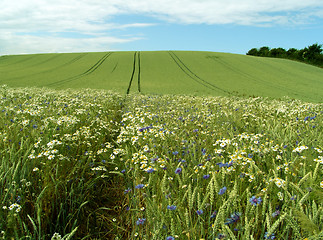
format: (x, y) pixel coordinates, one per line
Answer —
(166, 72)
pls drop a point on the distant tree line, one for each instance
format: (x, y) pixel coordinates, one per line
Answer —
(312, 54)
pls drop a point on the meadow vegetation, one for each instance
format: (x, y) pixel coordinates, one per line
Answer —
(49, 181)
(94, 164)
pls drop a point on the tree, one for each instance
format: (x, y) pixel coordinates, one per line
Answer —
(292, 53)
(253, 52)
(277, 52)
(264, 51)
(301, 54)
(311, 52)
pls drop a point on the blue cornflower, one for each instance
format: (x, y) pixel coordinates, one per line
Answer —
(221, 236)
(140, 221)
(175, 152)
(272, 236)
(171, 207)
(276, 213)
(199, 212)
(150, 170)
(203, 151)
(206, 176)
(153, 160)
(229, 164)
(139, 186)
(127, 191)
(123, 170)
(170, 238)
(213, 215)
(142, 129)
(235, 217)
(220, 164)
(222, 190)
(178, 170)
(255, 201)
(242, 175)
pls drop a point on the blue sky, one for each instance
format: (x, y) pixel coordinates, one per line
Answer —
(235, 26)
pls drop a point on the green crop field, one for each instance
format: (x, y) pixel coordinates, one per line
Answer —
(163, 145)
(166, 72)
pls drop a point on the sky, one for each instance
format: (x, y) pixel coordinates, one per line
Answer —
(234, 26)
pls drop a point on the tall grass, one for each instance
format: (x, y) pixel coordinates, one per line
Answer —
(222, 168)
(50, 179)
(86, 164)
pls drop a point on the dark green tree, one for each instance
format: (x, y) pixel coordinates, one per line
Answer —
(301, 54)
(277, 52)
(311, 52)
(264, 51)
(253, 52)
(292, 53)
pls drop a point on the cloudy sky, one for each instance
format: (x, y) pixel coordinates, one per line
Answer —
(38, 26)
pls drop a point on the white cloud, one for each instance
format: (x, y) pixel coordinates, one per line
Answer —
(62, 15)
(94, 17)
(35, 44)
(250, 12)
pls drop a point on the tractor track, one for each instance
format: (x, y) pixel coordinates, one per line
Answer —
(87, 72)
(53, 69)
(192, 75)
(25, 58)
(115, 67)
(40, 63)
(136, 61)
(133, 72)
(97, 65)
(75, 59)
(250, 77)
(139, 72)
